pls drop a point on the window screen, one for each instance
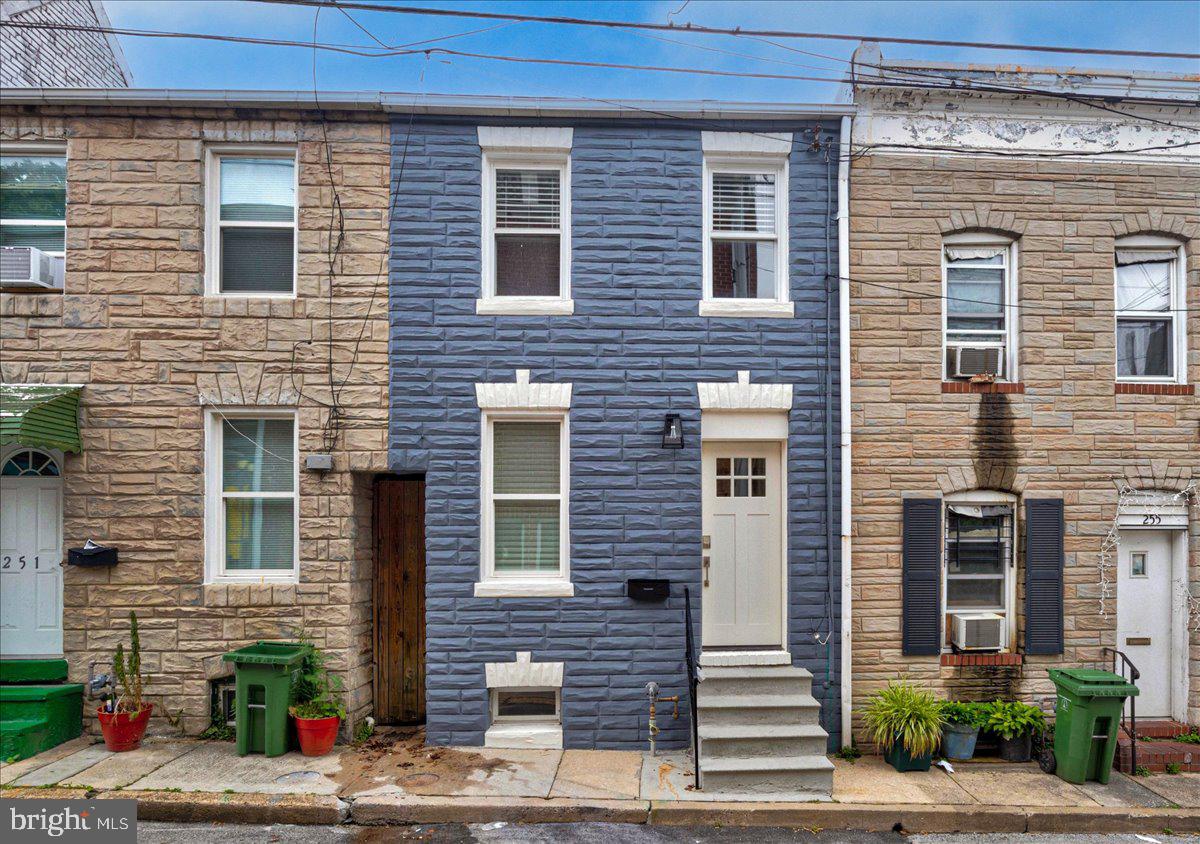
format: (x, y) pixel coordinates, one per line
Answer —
(528, 234)
(256, 224)
(258, 490)
(33, 201)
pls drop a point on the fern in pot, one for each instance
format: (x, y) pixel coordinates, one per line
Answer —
(905, 722)
(961, 728)
(1015, 723)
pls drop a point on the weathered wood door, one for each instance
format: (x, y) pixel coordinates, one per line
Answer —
(399, 598)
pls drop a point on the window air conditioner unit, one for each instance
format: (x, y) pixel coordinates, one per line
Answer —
(982, 631)
(979, 360)
(27, 265)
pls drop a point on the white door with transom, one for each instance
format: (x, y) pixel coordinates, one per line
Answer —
(1144, 609)
(743, 560)
(30, 555)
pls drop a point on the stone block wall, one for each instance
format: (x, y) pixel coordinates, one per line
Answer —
(633, 350)
(1067, 433)
(135, 328)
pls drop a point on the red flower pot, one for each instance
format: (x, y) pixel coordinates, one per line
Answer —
(317, 735)
(123, 731)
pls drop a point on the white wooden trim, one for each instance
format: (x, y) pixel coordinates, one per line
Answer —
(214, 495)
(746, 143)
(742, 395)
(1180, 645)
(523, 673)
(544, 160)
(522, 395)
(212, 215)
(526, 138)
(1178, 315)
(777, 164)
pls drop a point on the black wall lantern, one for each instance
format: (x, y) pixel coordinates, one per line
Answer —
(672, 431)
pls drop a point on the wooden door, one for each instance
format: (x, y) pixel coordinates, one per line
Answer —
(399, 600)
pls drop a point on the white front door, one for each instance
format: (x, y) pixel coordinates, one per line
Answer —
(1144, 610)
(743, 528)
(31, 566)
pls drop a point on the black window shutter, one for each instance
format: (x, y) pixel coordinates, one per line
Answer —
(922, 567)
(1044, 529)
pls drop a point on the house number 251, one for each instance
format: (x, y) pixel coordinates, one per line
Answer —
(1152, 519)
(18, 564)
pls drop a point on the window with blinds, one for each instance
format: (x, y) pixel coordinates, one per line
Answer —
(258, 494)
(745, 255)
(526, 497)
(33, 201)
(526, 231)
(253, 224)
(1147, 311)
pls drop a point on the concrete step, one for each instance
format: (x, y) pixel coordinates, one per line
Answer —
(753, 775)
(762, 740)
(742, 710)
(755, 680)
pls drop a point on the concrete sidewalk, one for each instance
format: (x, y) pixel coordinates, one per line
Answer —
(393, 778)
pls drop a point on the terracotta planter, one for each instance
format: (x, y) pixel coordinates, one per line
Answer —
(317, 735)
(123, 731)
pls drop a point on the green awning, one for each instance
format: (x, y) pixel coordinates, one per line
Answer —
(45, 415)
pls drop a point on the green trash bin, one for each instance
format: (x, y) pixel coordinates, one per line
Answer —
(263, 693)
(1087, 715)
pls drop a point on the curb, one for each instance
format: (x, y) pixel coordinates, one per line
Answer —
(387, 809)
(200, 806)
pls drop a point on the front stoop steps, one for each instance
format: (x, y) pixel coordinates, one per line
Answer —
(760, 732)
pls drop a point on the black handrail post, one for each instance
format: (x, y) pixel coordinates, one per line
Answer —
(1132, 676)
(690, 660)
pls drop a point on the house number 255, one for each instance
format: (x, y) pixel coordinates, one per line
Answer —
(1152, 519)
(18, 564)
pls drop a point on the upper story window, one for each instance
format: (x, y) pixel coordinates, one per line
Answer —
(251, 226)
(979, 570)
(980, 313)
(33, 213)
(1150, 304)
(252, 501)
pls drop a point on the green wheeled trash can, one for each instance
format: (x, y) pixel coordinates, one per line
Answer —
(1087, 716)
(263, 692)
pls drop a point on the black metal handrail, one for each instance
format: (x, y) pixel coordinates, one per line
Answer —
(689, 658)
(1130, 673)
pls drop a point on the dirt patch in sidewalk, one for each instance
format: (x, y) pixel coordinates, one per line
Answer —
(399, 757)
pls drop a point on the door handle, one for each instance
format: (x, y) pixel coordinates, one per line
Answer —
(706, 562)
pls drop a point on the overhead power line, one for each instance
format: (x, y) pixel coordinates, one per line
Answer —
(712, 30)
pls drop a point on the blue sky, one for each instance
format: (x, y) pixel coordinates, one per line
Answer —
(1171, 25)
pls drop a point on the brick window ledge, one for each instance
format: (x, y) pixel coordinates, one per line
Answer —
(983, 387)
(957, 660)
(1129, 388)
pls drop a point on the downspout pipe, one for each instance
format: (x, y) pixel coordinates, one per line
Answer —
(843, 226)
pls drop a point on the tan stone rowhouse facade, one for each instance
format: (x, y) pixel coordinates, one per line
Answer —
(932, 167)
(155, 354)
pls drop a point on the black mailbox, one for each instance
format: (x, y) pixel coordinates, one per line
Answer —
(648, 588)
(96, 555)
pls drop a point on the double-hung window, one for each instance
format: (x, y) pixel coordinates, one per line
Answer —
(33, 207)
(252, 502)
(251, 229)
(980, 306)
(1150, 310)
(979, 561)
(525, 487)
(745, 234)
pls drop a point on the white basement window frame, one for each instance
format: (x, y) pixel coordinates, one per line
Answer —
(216, 539)
(988, 501)
(721, 164)
(1171, 310)
(980, 251)
(492, 301)
(9, 226)
(496, 583)
(214, 226)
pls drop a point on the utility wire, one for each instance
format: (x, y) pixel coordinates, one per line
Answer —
(690, 27)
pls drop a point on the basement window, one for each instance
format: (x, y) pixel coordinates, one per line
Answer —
(980, 313)
(525, 717)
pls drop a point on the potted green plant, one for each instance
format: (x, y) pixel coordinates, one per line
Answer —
(961, 728)
(1014, 723)
(124, 715)
(905, 722)
(316, 704)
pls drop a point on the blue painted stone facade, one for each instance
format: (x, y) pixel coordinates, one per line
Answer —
(634, 350)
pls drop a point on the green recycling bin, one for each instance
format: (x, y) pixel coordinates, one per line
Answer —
(263, 692)
(1086, 717)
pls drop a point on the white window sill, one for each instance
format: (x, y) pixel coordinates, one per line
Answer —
(525, 589)
(524, 306)
(747, 308)
(541, 736)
